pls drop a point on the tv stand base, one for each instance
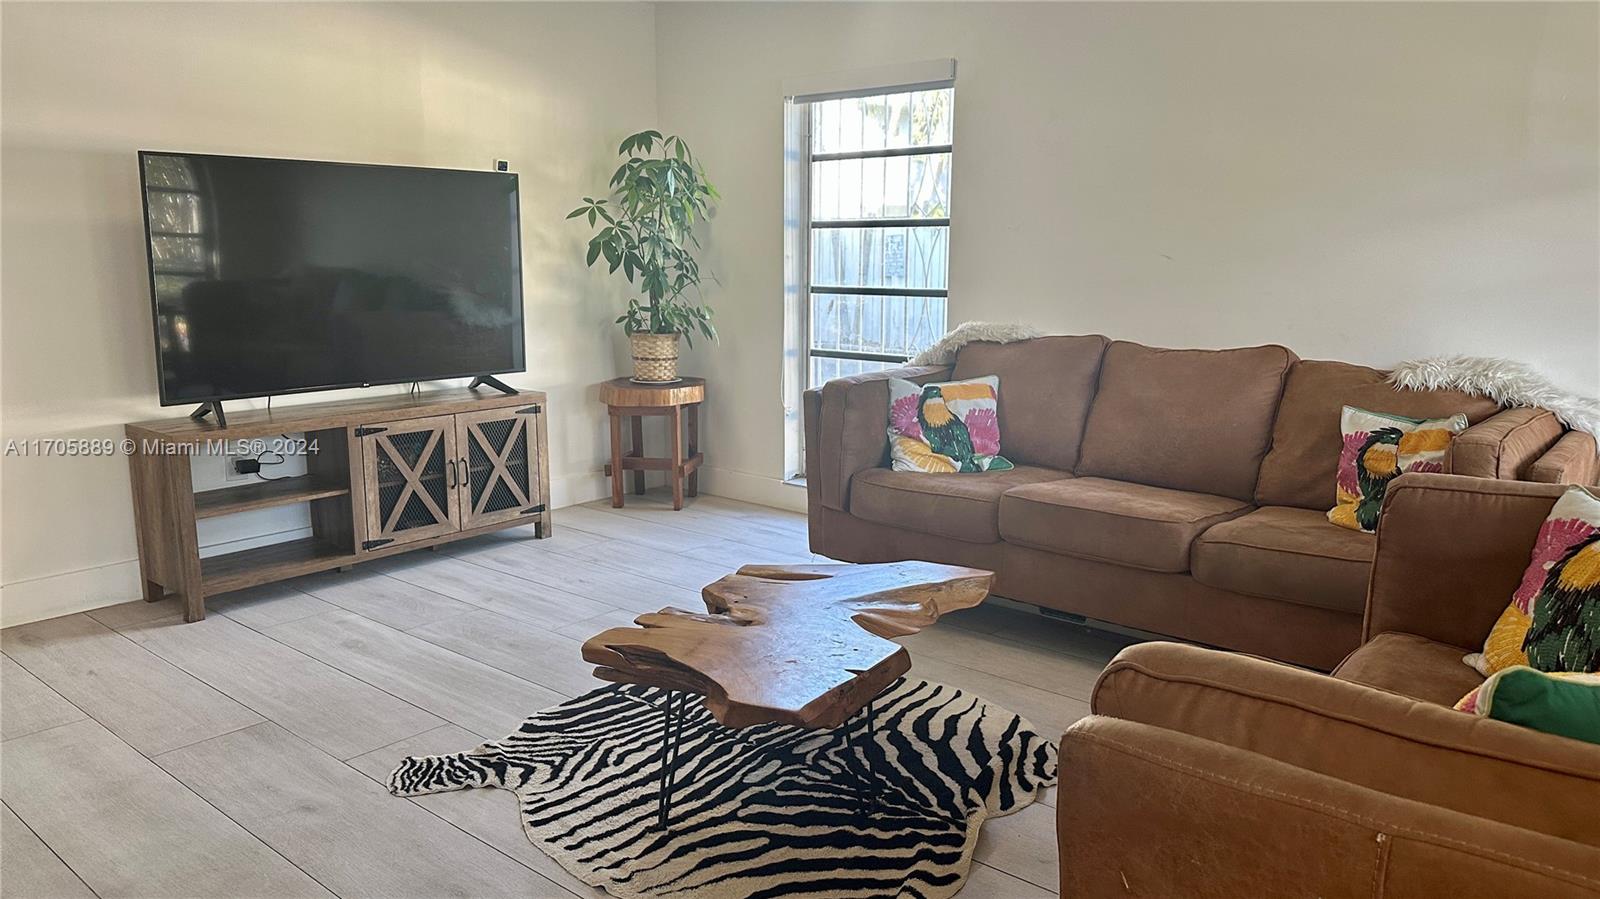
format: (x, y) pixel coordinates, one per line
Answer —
(207, 408)
(492, 381)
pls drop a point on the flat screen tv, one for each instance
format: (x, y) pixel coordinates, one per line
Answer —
(273, 276)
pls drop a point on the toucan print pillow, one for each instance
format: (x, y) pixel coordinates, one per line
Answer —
(946, 427)
(1553, 621)
(1378, 448)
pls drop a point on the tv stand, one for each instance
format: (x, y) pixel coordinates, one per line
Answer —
(208, 407)
(492, 381)
(384, 475)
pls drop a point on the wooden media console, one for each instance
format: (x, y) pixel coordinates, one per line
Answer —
(387, 475)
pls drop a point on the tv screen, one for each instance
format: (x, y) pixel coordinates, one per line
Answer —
(273, 276)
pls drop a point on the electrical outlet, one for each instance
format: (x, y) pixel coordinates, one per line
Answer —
(230, 468)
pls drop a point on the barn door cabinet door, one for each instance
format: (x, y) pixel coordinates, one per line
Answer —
(410, 474)
(497, 450)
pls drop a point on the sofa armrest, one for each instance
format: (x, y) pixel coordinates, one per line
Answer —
(1450, 551)
(1572, 460)
(1360, 735)
(1505, 444)
(847, 429)
(1145, 811)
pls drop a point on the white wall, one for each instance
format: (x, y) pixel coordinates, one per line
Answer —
(1368, 182)
(457, 85)
(1365, 182)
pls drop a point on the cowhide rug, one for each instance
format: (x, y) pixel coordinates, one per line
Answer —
(764, 811)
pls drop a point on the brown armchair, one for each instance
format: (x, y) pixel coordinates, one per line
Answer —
(1205, 773)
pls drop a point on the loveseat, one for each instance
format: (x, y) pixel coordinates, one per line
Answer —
(1207, 773)
(1181, 492)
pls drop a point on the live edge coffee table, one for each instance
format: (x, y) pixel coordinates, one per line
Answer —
(804, 645)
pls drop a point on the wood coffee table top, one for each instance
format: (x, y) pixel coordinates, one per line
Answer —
(793, 644)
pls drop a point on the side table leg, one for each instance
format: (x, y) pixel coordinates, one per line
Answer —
(694, 449)
(638, 451)
(677, 457)
(616, 460)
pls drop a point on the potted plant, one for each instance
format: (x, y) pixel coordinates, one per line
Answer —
(646, 229)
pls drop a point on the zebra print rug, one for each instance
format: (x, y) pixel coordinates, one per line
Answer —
(765, 811)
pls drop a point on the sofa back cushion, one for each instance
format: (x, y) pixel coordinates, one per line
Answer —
(1301, 467)
(1196, 420)
(1046, 387)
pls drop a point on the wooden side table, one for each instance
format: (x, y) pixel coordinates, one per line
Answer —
(677, 401)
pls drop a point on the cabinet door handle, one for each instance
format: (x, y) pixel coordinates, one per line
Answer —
(450, 476)
(462, 478)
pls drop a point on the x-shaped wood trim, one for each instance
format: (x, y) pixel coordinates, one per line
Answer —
(413, 479)
(499, 459)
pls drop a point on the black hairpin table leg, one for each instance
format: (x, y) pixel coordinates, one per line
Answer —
(672, 735)
(869, 780)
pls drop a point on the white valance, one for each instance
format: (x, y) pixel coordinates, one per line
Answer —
(900, 77)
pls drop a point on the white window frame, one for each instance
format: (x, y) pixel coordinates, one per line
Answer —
(799, 94)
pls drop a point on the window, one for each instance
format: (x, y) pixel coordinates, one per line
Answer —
(877, 222)
(866, 248)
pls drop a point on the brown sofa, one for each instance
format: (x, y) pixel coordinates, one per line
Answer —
(1572, 460)
(1181, 492)
(1206, 773)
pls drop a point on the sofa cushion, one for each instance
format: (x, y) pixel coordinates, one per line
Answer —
(1195, 420)
(1379, 447)
(1301, 467)
(1552, 622)
(1113, 521)
(1295, 555)
(1411, 666)
(959, 506)
(945, 426)
(1046, 386)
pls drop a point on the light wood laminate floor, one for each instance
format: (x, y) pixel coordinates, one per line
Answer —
(244, 755)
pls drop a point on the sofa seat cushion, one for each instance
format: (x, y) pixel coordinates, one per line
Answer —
(1295, 555)
(1113, 521)
(959, 506)
(1411, 666)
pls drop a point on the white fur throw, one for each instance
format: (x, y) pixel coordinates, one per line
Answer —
(944, 352)
(1502, 380)
(1509, 383)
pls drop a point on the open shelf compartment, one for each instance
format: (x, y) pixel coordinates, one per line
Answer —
(265, 495)
(274, 561)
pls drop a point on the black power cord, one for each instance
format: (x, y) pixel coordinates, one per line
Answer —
(260, 459)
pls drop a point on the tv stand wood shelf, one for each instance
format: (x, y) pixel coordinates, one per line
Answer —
(389, 474)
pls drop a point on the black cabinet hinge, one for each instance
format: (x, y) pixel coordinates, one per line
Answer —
(362, 432)
(374, 544)
(532, 510)
(531, 410)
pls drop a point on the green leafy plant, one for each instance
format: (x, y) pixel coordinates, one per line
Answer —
(646, 230)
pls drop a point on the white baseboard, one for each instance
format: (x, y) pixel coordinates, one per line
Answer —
(753, 488)
(65, 594)
(117, 582)
(55, 595)
(576, 489)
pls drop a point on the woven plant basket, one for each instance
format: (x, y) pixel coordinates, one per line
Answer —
(655, 357)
